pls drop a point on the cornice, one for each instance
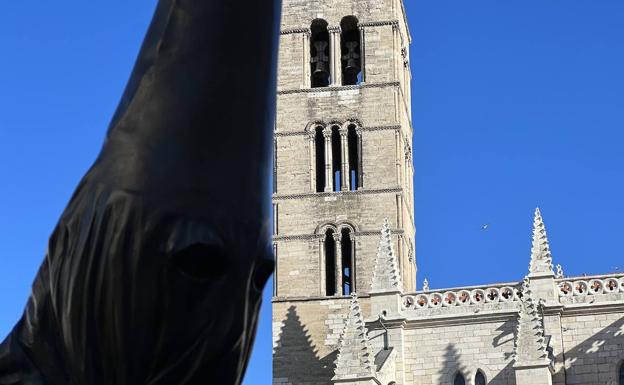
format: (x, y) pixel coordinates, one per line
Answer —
(590, 309)
(311, 237)
(286, 299)
(390, 127)
(277, 197)
(337, 88)
(461, 319)
(289, 31)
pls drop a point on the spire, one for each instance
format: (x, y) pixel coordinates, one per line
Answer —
(541, 258)
(386, 276)
(530, 342)
(354, 361)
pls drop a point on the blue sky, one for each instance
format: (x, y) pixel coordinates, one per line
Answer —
(516, 104)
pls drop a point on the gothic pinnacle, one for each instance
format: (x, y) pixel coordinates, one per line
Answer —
(386, 275)
(530, 341)
(354, 359)
(541, 258)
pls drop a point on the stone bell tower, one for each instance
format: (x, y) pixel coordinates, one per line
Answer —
(343, 164)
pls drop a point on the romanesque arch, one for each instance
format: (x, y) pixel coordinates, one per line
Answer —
(480, 378)
(319, 54)
(350, 51)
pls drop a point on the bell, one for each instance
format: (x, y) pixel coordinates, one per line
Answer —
(352, 58)
(321, 59)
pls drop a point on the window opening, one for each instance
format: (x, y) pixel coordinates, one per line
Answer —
(336, 157)
(330, 263)
(354, 159)
(621, 374)
(347, 262)
(350, 47)
(319, 53)
(459, 379)
(319, 143)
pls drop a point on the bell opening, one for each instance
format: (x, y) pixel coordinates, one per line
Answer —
(319, 54)
(351, 51)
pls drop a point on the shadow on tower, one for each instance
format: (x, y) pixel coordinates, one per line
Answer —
(295, 358)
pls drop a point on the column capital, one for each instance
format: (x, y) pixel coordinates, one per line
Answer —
(327, 131)
(334, 29)
(337, 236)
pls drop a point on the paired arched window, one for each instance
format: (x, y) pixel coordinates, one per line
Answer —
(337, 157)
(459, 379)
(319, 53)
(480, 378)
(334, 55)
(351, 52)
(339, 261)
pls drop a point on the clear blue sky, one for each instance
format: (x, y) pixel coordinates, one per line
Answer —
(516, 104)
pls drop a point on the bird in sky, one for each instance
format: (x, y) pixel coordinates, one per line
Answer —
(485, 226)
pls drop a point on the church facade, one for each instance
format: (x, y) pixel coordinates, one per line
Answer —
(346, 309)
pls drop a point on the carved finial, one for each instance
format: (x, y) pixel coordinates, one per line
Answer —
(386, 275)
(559, 271)
(426, 285)
(541, 258)
(354, 359)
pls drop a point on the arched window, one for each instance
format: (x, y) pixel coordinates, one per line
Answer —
(621, 373)
(459, 379)
(330, 263)
(319, 144)
(348, 262)
(354, 157)
(336, 157)
(480, 378)
(351, 51)
(319, 53)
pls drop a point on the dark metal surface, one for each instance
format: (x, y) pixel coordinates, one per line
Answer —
(155, 270)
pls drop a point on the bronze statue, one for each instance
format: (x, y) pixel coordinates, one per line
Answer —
(155, 270)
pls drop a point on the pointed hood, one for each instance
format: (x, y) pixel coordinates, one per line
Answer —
(355, 360)
(196, 119)
(541, 258)
(530, 341)
(155, 271)
(386, 276)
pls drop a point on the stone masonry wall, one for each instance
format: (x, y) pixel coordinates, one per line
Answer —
(306, 335)
(593, 340)
(434, 355)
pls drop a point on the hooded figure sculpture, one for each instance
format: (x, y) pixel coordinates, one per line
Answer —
(155, 270)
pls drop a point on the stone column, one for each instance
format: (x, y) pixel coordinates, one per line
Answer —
(398, 159)
(360, 179)
(335, 61)
(352, 267)
(329, 177)
(338, 250)
(307, 77)
(344, 147)
(323, 266)
(363, 54)
(312, 156)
